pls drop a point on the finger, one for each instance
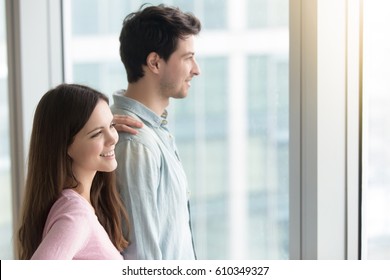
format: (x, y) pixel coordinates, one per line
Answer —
(127, 120)
(125, 128)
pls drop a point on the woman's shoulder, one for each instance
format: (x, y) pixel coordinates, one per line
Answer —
(71, 205)
(72, 200)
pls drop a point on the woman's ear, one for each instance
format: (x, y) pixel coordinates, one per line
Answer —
(69, 153)
(152, 62)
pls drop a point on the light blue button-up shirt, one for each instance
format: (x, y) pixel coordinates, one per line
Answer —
(153, 186)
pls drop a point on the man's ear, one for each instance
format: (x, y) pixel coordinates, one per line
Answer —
(152, 62)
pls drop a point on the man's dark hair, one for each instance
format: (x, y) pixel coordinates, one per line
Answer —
(153, 29)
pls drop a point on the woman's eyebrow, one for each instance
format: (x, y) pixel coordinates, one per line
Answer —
(93, 130)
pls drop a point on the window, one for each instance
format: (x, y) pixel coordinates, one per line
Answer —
(376, 136)
(232, 130)
(5, 165)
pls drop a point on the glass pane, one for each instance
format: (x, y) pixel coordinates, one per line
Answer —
(215, 14)
(265, 13)
(6, 249)
(231, 131)
(268, 186)
(376, 133)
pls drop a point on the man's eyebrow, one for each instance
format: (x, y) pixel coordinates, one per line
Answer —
(189, 54)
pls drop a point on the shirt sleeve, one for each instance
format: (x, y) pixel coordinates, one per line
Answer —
(138, 179)
(67, 235)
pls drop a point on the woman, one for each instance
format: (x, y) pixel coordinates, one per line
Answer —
(72, 209)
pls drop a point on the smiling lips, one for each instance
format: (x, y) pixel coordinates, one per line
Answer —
(108, 154)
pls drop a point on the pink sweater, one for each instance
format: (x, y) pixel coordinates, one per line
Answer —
(72, 231)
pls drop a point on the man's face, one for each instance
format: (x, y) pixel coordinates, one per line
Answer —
(177, 72)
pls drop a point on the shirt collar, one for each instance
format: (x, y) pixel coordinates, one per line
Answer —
(132, 105)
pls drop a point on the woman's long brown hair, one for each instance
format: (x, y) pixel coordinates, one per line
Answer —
(59, 116)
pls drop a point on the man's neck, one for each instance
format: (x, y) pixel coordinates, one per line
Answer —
(148, 97)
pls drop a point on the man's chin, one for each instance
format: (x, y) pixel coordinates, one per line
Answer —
(181, 95)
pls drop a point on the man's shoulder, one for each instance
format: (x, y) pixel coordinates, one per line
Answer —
(145, 137)
(116, 109)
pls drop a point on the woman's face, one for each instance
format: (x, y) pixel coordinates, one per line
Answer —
(93, 146)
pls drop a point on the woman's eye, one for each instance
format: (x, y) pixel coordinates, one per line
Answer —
(112, 125)
(96, 134)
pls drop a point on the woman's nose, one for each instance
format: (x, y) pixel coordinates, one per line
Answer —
(112, 137)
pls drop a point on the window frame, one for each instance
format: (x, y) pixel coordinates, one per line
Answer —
(34, 39)
(325, 69)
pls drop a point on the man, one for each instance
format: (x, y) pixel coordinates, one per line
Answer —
(157, 50)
